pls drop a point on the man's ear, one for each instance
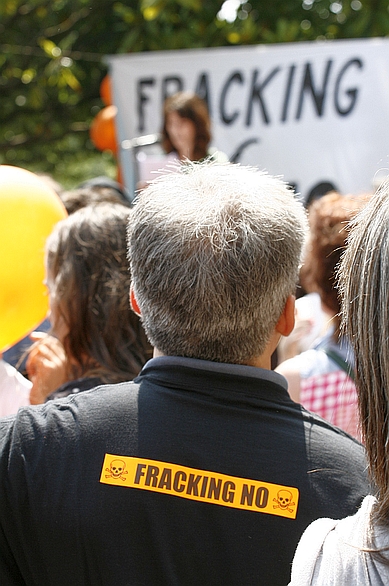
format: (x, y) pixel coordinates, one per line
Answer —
(134, 303)
(285, 324)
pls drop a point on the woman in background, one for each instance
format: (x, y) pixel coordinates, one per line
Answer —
(187, 128)
(96, 339)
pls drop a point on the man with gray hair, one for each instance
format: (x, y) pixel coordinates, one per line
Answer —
(202, 470)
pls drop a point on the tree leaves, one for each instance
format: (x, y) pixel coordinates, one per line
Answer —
(52, 59)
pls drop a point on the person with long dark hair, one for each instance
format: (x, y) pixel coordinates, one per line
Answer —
(355, 550)
(96, 338)
(187, 128)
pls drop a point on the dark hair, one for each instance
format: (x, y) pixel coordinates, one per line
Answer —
(86, 255)
(364, 280)
(81, 197)
(189, 105)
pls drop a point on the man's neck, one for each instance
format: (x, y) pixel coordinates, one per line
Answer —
(263, 361)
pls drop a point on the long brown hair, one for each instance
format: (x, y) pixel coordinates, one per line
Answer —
(86, 254)
(364, 282)
(189, 105)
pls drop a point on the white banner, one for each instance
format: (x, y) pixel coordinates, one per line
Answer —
(314, 113)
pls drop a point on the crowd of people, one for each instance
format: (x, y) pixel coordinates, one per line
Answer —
(321, 377)
(179, 419)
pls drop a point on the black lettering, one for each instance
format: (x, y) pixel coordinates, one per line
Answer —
(352, 93)
(256, 95)
(261, 497)
(204, 486)
(152, 476)
(229, 118)
(318, 95)
(180, 475)
(139, 472)
(203, 90)
(228, 492)
(142, 98)
(193, 484)
(235, 157)
(168, 82)
(247, 495)
(166, 479)
(288, 92)
(214, 488)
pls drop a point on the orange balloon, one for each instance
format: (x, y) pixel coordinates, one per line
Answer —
(29, 209)
(106, 90)
(103, 130)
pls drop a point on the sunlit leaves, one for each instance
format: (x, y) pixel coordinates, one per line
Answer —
(9, 7)
(124, 12)
(194, 5)
(52, 58)
(151, 9)
(50, 48)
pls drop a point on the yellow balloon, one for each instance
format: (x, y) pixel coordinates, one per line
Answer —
(29, 209)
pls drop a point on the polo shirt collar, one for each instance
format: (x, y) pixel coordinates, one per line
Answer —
(181, 372)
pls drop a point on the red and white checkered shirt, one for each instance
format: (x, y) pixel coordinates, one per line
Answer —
(333, 396)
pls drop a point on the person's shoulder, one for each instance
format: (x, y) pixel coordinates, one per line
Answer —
(307, 362)
(330, 551)
(332, 447)
(117, 396)
(309, 551)
(321, 428)
(65, 414)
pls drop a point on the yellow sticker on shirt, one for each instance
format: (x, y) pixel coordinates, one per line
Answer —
(200, 485)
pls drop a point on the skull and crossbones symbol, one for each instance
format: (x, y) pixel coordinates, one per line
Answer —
(284, 501)
(116, 470)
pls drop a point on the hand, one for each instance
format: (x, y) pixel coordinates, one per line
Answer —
(46, 366)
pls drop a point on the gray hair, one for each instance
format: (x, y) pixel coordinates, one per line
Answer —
(215, 251)
(364, 286)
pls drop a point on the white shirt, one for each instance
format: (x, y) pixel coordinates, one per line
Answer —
(14, 389)
(330, 552)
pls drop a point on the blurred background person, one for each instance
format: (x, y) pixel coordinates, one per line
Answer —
(321, 378)
(96, 338)
(186, 129)
(93, 192)
(89, 193)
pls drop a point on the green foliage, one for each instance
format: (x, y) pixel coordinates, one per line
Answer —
(52, 60)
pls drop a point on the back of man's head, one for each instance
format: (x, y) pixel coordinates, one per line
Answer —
(214, 252)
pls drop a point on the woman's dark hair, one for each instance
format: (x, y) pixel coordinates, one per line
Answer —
(81, 197)
(87, 259)
(364, 284)
(189, 105)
